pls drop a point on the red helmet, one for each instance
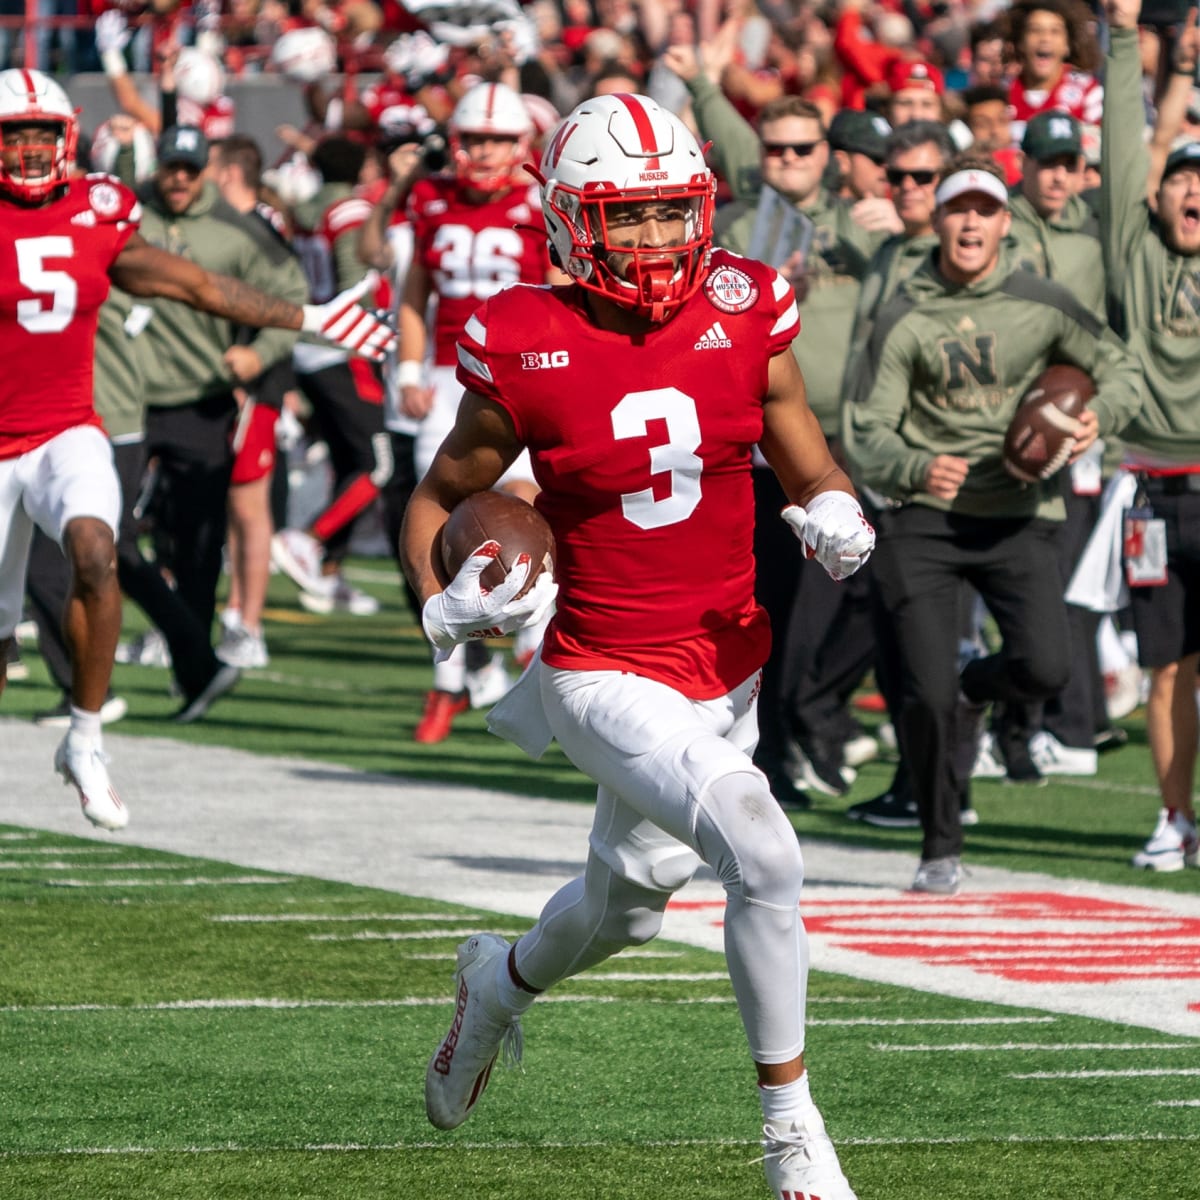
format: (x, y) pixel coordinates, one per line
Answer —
(623, 149)
(490, 108)
(33, 98)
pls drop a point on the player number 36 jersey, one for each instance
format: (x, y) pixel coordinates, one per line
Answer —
(54, 263)
(642, 450)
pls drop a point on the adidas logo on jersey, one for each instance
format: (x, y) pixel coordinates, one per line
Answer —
(87, 217)
(713, 338)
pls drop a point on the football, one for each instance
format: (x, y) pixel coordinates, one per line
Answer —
(1040, 436)
(498, 517)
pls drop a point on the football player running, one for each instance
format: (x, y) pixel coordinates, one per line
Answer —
(476, 230)
(639, 391)
(66, 238)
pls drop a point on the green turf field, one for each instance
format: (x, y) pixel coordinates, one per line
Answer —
(265, 1036)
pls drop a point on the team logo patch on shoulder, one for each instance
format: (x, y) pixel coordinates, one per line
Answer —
(731, 290)
(104, 199)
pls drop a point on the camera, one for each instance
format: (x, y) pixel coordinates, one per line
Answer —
(435, 154)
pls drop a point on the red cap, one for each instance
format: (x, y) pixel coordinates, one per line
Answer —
(918, 74)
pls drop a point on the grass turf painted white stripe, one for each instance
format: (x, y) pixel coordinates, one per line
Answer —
(879, 1021)
(982, 1047)
(194, 881)
(218, 1004)
(287, 918)
(376, 935)
(457, 1147)
(53, 865)
(1131, 1073)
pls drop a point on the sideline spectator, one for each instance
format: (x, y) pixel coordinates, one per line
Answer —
(345, 393)
(1161, 323)
(924, 428)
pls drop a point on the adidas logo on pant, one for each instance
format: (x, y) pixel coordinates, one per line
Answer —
(713, 338)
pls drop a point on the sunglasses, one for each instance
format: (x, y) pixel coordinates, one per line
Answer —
(896, 176)
(799, 149)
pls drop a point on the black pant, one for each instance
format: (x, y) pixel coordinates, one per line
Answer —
(49, 583)
(351, 428)
(195, 460)
(921, 560)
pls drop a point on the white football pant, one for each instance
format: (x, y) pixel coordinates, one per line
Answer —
(72, 475)
(676, 788)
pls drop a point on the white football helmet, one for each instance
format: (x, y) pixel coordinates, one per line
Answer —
(305, 55)
(622, 150)
(32, 172)
(490, 108)
(199, 76)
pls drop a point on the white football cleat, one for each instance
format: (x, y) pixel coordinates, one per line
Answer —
(1173, 845)
(459, 1070)
(83, 764)
(801, 1163)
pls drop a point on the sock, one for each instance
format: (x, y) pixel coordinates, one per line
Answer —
(85, 724)
(786, 1102)
(515, 998)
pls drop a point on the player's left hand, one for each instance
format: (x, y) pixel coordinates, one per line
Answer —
(834, 531)
(345, 322)
(467, 610)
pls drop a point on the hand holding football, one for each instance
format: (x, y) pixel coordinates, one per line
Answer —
(498, 517)
(1041, 435)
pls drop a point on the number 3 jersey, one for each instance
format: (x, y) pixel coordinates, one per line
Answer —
(642, 449)
(54, 263)
(471, 250)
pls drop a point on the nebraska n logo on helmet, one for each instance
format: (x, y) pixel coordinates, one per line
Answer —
(622, 150)
(32, 169)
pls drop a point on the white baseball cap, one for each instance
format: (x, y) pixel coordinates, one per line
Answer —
(962, 182)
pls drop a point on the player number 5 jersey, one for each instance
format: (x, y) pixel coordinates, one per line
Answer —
(54, 263)
(642, 450)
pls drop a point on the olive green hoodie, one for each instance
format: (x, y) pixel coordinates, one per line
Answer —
(187, 363)
(947, 367)
(1154, 292)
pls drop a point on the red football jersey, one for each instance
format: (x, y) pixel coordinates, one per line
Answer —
(54, 263)
(642, 450)
(471, 251)
(1076, 92)
(315, 246)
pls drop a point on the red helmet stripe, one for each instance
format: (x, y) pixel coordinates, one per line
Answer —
(490, 111)
(641, 122)
(30, 86)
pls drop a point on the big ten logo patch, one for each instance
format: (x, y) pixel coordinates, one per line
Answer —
(544, 360)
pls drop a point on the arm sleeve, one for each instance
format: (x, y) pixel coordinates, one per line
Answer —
(1124, 160)
(1113, 368)
(874, 413)
(736, 148)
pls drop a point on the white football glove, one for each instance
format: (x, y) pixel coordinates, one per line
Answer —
(112, 36)
(834, 532)
(467, 610)
(345, 322)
